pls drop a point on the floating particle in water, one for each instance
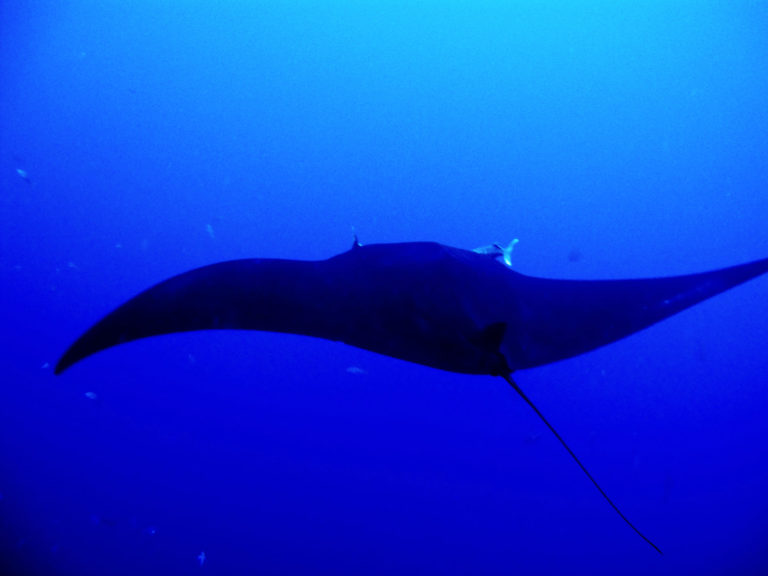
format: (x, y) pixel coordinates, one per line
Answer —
(91, 395)
(209, 229)
(45, 366)
(533, 437)
(23, 175)
(575, 255)
(201, 558)
(355, 370)
(105, 521)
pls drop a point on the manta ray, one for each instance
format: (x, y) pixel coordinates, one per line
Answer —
(448, 308)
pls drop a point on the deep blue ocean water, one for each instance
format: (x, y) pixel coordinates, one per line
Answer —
(138, 140)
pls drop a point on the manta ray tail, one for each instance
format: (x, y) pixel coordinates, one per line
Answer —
(528, 401)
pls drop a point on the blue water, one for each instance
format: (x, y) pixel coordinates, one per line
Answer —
(613, 141)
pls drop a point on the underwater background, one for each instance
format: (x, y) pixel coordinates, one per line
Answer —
(614, 139)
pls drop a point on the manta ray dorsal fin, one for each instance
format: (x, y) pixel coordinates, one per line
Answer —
(490, 337)
(528, 401)
(489, 341)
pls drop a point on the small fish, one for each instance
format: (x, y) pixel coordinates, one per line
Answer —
(201, 558)
(498, 251)
(91, 395)
(356, 370)
(209, 229)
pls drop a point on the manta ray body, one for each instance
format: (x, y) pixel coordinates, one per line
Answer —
(453, 309)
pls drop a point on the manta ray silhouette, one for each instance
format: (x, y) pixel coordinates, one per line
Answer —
(424, 302)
